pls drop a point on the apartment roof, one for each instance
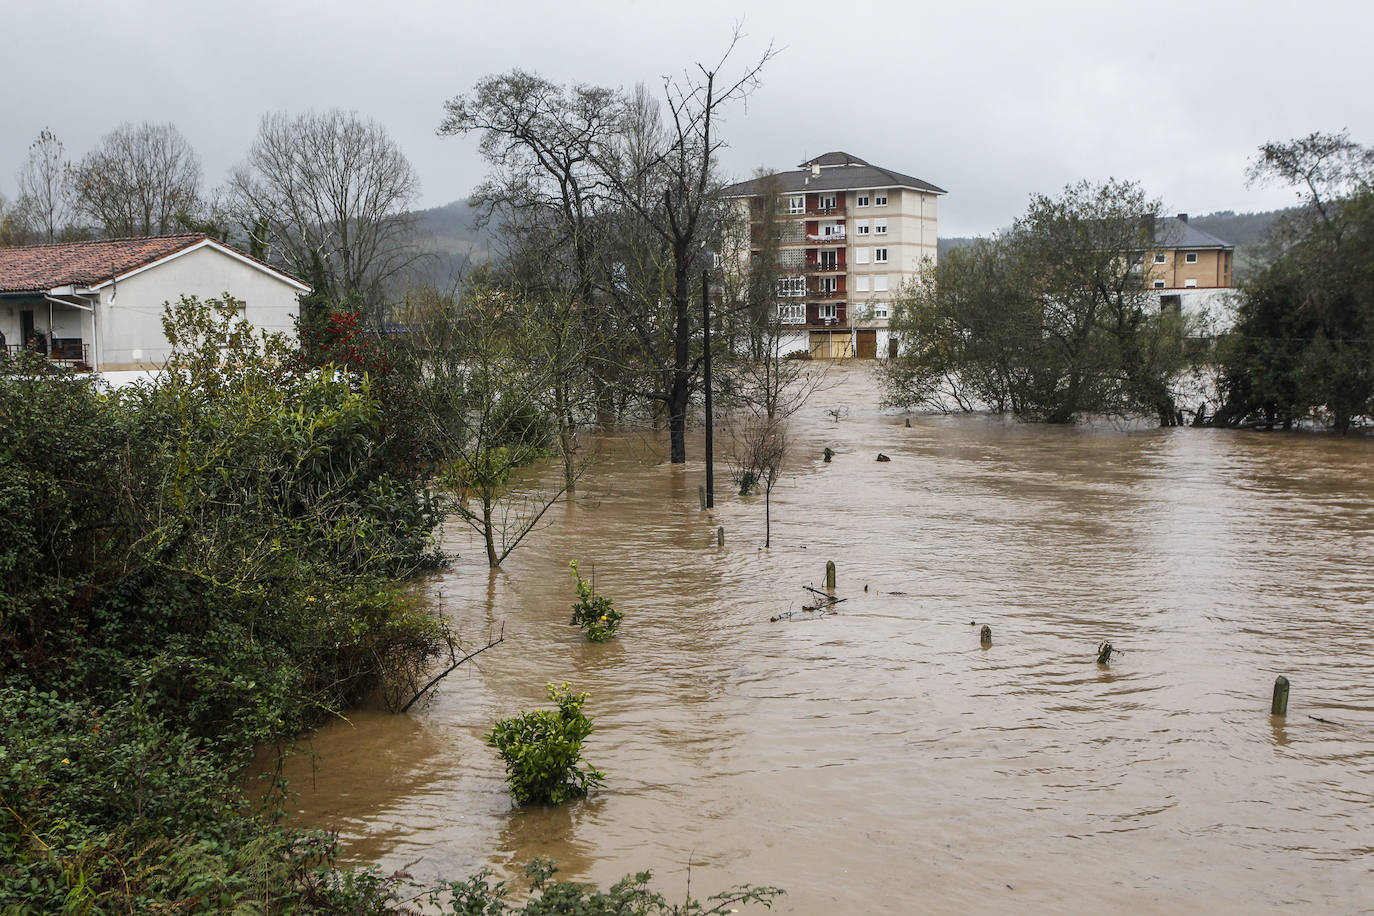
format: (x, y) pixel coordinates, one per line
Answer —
(839, 171)
(1176, 232)
(39, 268)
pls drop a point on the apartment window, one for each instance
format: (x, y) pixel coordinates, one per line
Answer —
(1190, 284)
(861, 284)
(796, 204)
(880, 226)
(880, 199)
(792, 313)
(1159, 258)
(1159, 284)
(828, 202)
(827, 312)
(829, 285)
(1190, 257)
(830, 259)
(861, 227)
(880, 283)
(860, 255)
(880, 310)
(861, 200)
(879, 255)
(792, 286)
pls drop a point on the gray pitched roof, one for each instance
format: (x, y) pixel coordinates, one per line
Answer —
(1172, 232)
(836, 158)
(840, 171)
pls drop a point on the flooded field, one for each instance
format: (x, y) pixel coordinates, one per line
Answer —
(879, 760)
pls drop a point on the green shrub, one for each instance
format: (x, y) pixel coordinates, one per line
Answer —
(542, 750)
(480, 896)
(592, 612)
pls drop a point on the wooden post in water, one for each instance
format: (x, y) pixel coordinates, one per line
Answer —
(701, 495)
(830, 575)
(1280, 704)
(720, 536)
(985, 636)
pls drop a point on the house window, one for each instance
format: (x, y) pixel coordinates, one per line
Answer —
(860, 255)
(1190, 284)
(1159, 258)
(880, 226)
(861, 284)
(861, 200)
(880, 310)
(827, 312)
(796, 204)
(792, 286)
(1190, 257)
(861, 227)
(792, 313)
(879, 255)
(1159, 284)
(880, 283)
(880, 199)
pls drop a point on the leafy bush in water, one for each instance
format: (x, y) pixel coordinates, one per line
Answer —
(480, 896)
(592, 612)
(543, 749)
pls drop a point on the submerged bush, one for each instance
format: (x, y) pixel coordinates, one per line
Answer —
(594, 613)
(542, 750)
(481, 896)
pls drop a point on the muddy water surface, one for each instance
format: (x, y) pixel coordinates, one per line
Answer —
(879, 760)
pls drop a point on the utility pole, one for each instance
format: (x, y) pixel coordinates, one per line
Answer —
(706, 375)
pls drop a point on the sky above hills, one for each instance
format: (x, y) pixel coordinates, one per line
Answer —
(991, 101)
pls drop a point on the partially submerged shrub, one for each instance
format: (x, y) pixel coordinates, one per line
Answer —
(543, 749)
(592, 612)
(481, 896)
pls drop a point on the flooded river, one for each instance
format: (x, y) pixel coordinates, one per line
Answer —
(879, 760)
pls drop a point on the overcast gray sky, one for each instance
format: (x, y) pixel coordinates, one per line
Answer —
(991, 101)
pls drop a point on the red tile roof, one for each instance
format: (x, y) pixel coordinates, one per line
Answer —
(44, 267)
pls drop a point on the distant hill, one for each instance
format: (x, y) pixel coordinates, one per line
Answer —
(452, 243)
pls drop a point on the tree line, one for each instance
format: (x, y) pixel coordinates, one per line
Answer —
(1054, 319)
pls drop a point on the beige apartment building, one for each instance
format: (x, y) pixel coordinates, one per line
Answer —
(1189, 268)
(850, 235)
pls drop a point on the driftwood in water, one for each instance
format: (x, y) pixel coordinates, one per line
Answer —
(451, 668)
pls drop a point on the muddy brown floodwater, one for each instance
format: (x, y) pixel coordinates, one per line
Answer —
(879, 760)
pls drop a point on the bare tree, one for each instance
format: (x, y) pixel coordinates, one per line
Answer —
(758, 449)
(330, 193)
(758, 372)
(667, 180)
(138, 180)
(45, 187)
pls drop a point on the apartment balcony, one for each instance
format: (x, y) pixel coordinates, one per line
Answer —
(825, 267)
(821, 294)
(835, 238)
(835, 211)
(72, 352)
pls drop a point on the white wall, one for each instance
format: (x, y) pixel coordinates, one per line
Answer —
(131, 328)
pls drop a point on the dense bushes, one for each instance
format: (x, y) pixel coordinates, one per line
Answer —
(189, 569)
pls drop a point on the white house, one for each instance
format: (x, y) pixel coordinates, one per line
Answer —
(98, 305)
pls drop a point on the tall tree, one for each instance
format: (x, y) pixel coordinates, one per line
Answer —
(1052, 320)
(138, 179)
(330, 191)
(45, 187)
(1303, 343)
(633, 197)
